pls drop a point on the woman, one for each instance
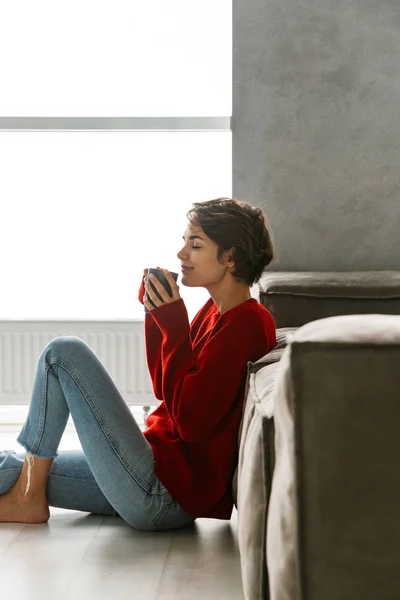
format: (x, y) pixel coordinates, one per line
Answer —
(181, 467)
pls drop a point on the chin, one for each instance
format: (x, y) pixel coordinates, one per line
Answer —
(185, 280)
(186, 283)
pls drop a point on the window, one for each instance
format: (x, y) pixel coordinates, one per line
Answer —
(114, 119)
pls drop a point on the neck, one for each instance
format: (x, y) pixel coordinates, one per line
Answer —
(223, 306)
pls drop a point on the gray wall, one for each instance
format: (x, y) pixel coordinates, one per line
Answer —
(316, 128)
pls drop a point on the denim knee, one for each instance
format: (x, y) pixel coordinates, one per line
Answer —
(66, 343)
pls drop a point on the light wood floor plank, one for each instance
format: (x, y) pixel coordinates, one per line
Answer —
(120, 563)
(203, 563)
(8, 533)
(41, 561)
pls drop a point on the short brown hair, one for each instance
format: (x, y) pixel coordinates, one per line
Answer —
(238, 224)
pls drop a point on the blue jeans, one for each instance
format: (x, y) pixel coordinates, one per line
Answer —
(114, 472)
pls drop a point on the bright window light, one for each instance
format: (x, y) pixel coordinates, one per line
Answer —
(83, 213)
(115, 58)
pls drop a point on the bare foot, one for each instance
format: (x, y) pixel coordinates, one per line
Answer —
(16, 508)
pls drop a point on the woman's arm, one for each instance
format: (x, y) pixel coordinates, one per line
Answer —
(153, 340)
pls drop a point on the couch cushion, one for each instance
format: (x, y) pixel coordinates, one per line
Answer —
(253, 476)
(333, 528)
(296, 298)
(283, 336)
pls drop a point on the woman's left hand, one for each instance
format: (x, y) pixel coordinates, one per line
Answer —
(166, 298)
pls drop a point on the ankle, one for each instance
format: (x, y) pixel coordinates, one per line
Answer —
(25, 496)
(34, 475)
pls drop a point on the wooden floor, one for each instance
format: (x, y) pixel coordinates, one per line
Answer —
(78, 556)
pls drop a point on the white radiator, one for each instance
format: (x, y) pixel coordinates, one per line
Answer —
(119, 344)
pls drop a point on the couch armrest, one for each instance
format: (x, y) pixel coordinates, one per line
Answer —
(333, 526)
(296, 298)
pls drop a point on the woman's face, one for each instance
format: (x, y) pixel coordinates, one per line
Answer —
(200, 254)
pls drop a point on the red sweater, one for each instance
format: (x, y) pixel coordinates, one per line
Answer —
(199, 372)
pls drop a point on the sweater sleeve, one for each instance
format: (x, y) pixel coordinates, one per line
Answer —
(153, 339)
(199, 394)
(141, 291)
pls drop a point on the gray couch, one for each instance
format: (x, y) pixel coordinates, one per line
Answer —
(317, 486)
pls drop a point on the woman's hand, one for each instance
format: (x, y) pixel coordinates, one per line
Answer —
(166, 298)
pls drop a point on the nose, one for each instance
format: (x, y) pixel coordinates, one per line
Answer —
(179, 254)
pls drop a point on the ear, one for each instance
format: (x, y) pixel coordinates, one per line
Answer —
(229, 257)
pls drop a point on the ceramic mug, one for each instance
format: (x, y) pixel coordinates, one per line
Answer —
(163, 280)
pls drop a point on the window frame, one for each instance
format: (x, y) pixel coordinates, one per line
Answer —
(189, 124)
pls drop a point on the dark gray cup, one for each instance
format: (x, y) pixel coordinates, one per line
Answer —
(163, 280)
